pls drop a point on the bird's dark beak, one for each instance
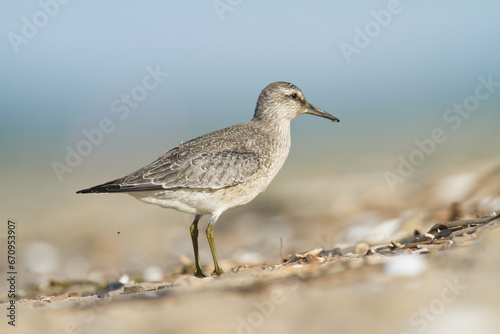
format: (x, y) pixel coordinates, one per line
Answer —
(313, 110)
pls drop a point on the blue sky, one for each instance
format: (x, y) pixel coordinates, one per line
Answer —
(63, 78)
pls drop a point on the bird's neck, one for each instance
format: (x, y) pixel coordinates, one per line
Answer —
(278, 130)
(277, 138)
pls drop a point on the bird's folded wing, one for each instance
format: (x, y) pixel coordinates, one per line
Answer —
(183, 168)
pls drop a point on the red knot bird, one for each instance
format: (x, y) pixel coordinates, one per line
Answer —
(223, 169)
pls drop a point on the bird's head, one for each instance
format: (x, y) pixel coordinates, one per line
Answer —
(284, 101)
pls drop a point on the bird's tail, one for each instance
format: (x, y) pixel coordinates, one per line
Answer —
(108, 187)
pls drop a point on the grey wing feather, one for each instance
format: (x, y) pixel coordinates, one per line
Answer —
(182, 168)
(216, 160)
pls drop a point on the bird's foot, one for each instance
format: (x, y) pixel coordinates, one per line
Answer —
(217, 271)
(199, 273)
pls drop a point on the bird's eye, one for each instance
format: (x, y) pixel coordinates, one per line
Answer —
(293, 95)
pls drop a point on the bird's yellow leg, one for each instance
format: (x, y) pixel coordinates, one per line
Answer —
(211, 241)
(194, 237)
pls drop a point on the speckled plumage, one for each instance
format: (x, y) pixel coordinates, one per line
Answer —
(222, 169)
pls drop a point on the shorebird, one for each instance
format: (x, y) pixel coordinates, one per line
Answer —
(223, 169)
